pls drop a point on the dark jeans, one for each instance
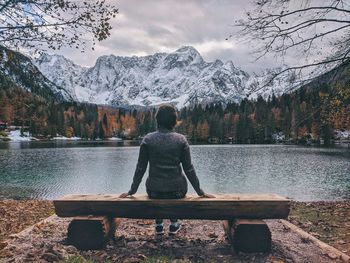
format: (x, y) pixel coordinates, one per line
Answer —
(166, 195)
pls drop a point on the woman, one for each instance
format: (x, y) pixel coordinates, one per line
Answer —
(165, 150)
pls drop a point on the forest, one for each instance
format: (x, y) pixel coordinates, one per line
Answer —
(310, 113)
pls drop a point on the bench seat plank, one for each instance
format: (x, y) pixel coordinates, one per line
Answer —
(223, 207)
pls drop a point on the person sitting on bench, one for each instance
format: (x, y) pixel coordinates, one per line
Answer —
(165, 150)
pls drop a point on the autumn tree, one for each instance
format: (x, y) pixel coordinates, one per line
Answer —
(41, 24)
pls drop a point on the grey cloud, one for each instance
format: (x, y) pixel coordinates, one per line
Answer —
(147, 27)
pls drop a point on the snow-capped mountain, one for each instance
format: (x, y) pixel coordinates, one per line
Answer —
(181, 77)
(269, 82)
(17, 70)
(60, 71)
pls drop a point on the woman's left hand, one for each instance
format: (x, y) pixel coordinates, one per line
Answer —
(206, 195)
(123, 195)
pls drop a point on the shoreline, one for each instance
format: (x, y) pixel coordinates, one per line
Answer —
(62, 139)
(136, 143)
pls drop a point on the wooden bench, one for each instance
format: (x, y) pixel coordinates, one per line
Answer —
(95, 215)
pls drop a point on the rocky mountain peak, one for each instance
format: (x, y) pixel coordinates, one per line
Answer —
(181, 77)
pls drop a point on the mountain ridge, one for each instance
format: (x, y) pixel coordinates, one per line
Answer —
(181, 77)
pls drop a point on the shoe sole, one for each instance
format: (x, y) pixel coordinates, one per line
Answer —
(173, 233)
(160, 233)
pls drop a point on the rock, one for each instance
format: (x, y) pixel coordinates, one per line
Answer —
(332, 255)
(213, 235)
(50, 257)
(55, 250)
(142, 256)
(71, 250)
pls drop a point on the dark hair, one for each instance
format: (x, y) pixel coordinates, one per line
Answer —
(166, 116)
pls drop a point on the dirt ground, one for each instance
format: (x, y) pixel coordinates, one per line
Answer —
(197, 241)
(16, 215)
(327, 221)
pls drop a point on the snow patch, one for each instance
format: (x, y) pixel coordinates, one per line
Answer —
(278, 137)
(115, 139)
(341, 134)
(66, 138)
(15, 136)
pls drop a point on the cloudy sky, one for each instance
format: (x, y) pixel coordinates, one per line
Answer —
(146, 27)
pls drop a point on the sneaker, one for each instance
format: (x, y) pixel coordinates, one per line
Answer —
(159, 230)
(174, 228)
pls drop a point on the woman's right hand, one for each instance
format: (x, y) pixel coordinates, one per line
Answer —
(206, 195)
(124, 195)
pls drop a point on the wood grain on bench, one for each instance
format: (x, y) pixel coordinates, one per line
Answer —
(227, 206)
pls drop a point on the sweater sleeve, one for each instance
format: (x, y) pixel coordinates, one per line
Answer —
(140, 168)
(189, 169)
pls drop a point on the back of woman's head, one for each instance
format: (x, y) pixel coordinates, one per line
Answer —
(166, 116)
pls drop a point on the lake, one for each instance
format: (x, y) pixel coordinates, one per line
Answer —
(47, 170)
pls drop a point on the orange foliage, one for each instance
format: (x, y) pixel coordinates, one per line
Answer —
(314, 130)
(129, 125)
(113, 123)
(69, 132)
(342, 119)
(203, 130)
(252, 117)
(302, 132)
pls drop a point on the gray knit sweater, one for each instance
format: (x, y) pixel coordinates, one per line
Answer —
(165, 150)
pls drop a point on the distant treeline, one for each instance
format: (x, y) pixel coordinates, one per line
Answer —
(299, 116)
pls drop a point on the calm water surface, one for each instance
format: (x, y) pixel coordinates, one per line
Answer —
(49, 170)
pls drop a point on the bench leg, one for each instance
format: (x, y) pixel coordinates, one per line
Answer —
(91, 232)
(248, 235)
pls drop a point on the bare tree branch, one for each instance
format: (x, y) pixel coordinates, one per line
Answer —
(312, 30)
